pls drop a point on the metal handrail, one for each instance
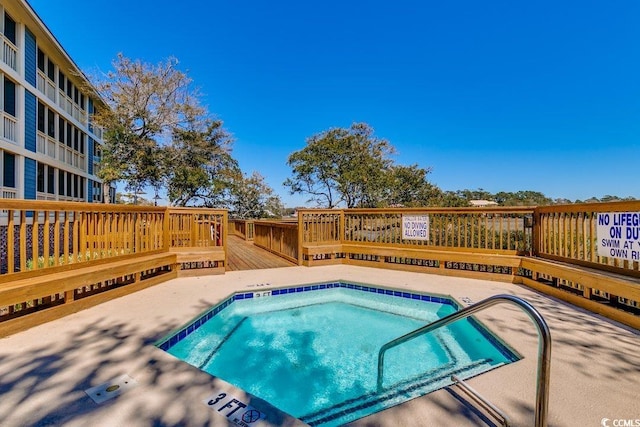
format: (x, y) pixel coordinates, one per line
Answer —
(544, 345)
(486, 405)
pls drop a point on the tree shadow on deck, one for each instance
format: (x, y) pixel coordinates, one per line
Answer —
(42, 382)
(601, 356)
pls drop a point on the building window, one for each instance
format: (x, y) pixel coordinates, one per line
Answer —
(8, 170)
(9, 97)
(69, 134)
(60, 182)
(61, 80)
(51, 173)
(69, 183)
(41, 177)
(9, 28)
(97, 191)
(51, 70)
(51, 123)
(61, 128)
(41, 60)
(41, 118)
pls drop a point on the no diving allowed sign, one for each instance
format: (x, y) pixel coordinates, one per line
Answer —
(415, 227)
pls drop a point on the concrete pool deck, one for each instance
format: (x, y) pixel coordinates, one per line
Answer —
(44, 372)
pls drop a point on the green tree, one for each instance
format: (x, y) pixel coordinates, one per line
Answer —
(450, 199)
(252, 197)
(408, 186)
(147, 104)
(342, 166)
(202, 171)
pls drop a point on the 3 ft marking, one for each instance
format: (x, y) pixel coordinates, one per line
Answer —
(235, 410)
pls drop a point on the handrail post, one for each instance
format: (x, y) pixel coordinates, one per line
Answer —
(544, 346)
(300, 237)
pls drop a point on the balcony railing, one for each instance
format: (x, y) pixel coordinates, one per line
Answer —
(71, 108)
(8, 193)
(9, 54)
(9, 124)
(46, 86)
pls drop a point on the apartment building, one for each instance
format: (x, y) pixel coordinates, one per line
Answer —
(49, 149)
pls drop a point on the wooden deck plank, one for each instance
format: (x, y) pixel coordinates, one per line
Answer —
(243, 255)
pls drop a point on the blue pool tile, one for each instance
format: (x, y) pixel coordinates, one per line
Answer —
(350, 286)
(406, 295)
(415, 296)
(374, 290)
(425, 298)
(381, 291)
(397, 293)
(164, 346)
(190, 329)
(323, 286)
(248, 295)
(275, 292)
(182, 334)
(388, 292)
(358, 287)
(307, 288)
(314, 287)
(173, 341)
(239, 296)
(198, 323)
(437, 299)
(299, 289)
(365, 288)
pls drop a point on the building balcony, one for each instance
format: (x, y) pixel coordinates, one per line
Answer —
(9, 54)
(9, 124)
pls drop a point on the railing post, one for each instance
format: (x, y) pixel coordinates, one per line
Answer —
(537, 232)
(225, 234)
(300, 237)
(166, 232)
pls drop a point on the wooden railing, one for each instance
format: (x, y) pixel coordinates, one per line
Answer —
(280, 238)
(567, 233)
(41, 235)
(61, 248)
(552, 249)
(196, 227)
(61, 256)
(507, 231)
(320, 226)
(242, 228)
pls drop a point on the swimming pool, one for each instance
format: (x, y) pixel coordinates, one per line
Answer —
(312, 350)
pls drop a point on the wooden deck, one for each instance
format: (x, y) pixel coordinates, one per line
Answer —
(243, 255)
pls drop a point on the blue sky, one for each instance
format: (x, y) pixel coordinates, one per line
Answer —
(499, 95)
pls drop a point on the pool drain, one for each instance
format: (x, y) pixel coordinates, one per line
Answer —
(103, 392)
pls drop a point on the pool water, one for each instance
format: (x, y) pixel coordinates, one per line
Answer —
(314, 354)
